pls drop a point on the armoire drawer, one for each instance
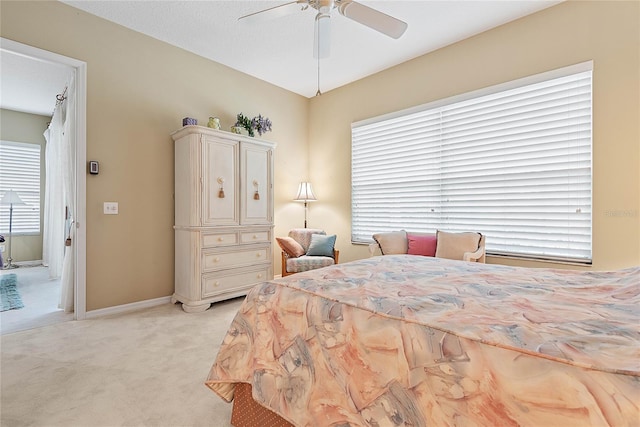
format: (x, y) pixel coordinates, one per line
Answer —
(212, 260)
(219, 239)
(255, 237)
(216, 283)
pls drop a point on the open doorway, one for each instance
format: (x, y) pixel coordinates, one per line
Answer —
(29, 274)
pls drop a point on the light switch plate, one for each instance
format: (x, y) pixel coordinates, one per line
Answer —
(111, 208)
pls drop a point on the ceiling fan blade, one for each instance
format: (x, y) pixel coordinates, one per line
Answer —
(274, 12)
(372, 18)
(322, 36)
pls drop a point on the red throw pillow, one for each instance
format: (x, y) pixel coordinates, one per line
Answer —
(422, 244)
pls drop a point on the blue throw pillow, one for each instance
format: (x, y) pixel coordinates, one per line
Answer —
(321, 245)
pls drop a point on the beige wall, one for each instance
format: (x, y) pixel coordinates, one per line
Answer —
(606, 32)
(138, 91)
(23, 127)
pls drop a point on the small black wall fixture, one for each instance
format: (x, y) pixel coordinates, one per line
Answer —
(94, 167)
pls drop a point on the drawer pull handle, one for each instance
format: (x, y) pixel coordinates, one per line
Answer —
(258, 254)
(220, 239)
(216, 284)
(255, 237)
(259, 275)
(216, 259)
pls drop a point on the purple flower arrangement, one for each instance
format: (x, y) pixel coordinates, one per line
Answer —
(259, 124)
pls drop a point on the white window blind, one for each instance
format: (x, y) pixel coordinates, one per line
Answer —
(20, 172)
(513, 162)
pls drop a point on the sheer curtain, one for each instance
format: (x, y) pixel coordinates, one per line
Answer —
(59, 225)
(69, 184)
(53, 233)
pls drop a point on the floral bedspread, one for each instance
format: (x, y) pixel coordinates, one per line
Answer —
(416, 341)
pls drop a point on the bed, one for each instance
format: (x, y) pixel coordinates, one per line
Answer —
(405, 340)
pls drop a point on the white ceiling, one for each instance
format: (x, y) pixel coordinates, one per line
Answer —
(280, 51)
(30, 85)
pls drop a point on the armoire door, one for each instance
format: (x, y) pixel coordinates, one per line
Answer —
(220, 198)
(256, 198)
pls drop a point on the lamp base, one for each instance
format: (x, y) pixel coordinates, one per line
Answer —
(10, 265)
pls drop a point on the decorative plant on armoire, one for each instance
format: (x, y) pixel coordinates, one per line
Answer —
(259, 124)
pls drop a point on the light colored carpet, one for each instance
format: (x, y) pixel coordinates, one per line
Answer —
(138, 369)
(40, 296)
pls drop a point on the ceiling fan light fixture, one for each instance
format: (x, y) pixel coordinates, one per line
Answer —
(322, 41)
(321, 36)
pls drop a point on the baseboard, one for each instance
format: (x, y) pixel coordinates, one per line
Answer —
(126, 308)
(33, 263)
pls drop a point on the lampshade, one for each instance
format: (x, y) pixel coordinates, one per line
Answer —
(11, 198)
(305, 193)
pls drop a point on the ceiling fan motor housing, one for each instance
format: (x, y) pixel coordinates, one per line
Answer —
(323, 6)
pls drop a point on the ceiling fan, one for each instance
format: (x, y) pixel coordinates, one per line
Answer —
(353, 10)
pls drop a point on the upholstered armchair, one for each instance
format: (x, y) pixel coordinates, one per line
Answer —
(307, 249)
(467, 246)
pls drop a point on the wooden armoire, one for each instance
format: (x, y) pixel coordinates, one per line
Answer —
(223, 215)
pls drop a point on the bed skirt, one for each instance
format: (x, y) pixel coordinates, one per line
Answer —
(247, 412)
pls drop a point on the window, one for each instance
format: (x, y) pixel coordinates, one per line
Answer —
(512, 162)
(20, 172)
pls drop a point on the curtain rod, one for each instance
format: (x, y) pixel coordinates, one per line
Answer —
(61, 96)
(59, 100)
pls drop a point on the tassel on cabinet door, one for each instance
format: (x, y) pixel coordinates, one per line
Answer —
(221, 191)
(256, 195)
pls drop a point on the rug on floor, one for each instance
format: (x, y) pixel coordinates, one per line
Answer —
(9, 293)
